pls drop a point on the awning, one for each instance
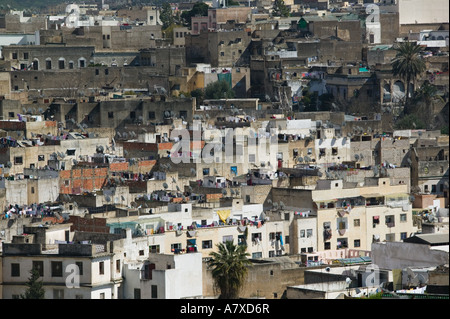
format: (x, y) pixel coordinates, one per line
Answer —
(372, 195)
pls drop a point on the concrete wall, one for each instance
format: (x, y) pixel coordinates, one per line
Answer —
(401, 255)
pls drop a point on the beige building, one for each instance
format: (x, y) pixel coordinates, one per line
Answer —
(355, 216)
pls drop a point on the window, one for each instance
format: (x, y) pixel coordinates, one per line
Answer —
(321, 152)
(39, 266)
(342, 223)
(147, 273)
(207, 244)
(341, 243)
(154, 291)
(82, 63)
(141, 252)
(154, 249)
(403, 217)
(257, 255)
(222, 53)
(18, 160)
(15, 270)
(14, 55)
(302, 233)
(151, 115)
(26, 56)
(137, 293)
(71, 65)
(110, 115)
(251, 158)
(132, 115)
(309, 233)
(327, 246)
(175, 247)
(32, 190)
(357, 243)
(205, 171)
(57, 268)
(334, 151)
(41, 158)
(102, 295)
(183, 114)
(101, 268)
(256, 238)
(390, 221)
(61, 64)
(227, 238)
(390, 237)
(11, 114)
(356, 223)
(79, 264)
(48, 64)
(70, 152)
(106, 71)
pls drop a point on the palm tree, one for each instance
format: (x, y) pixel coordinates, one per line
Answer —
(425, 98)
(408, 65)
(229, 268)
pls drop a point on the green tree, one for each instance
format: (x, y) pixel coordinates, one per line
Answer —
(408, 64)
(199, 95)
(409, 122)
(218, 90)
(423, 103)
(229, 268)
(280, 9)
(199, 9)
(35, 288)
(166, 15)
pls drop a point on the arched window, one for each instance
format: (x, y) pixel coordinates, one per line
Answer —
(35, 64)
(61, 63)
(48, 64)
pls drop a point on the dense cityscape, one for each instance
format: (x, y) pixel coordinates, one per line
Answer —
(204, 150)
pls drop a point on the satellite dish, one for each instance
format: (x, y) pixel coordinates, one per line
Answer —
(300, 159)
(356, 157)
(348, 281)
(224, 192)
(107, 198)
(165, 185)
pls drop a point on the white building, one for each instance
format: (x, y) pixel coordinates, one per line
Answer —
(72, 271)
(163, 276)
